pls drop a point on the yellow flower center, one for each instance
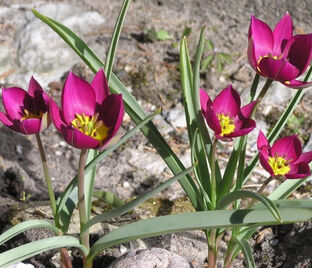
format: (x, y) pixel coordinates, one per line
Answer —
(29, 115)
(226, 123)
(279, 165)
(267, 56)
(91, 126)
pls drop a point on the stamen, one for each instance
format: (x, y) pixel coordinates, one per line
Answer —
(279, 165)
(226, 123)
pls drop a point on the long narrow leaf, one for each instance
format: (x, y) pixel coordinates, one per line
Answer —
(24, 226)
(132, 107)
(114, 41)
(62, 201)
(186, 74)
(233, 196)
(108, 198)
(135, 202)
(194, 221)
(246, 249)
(31, 249)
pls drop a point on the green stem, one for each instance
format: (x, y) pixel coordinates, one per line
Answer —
(213, 173)
(212, 249)
(264, 90)
(46, 175)
(84, 235)
(265, 184)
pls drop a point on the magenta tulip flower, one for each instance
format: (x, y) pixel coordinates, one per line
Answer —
(284, 158)
(224, 115)
(90, 116)
(26, 112)
(277, 54)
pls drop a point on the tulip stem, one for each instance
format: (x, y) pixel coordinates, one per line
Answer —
(264, 90)
(213, 172)
(46, 175)
(84, 235)
(265, 184)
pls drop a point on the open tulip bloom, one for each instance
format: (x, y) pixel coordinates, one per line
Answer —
(277, 54)
(224, 115)
(284, 158)
(90, 116)
(26, 112)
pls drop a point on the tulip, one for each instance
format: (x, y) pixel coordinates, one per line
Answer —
(277, 54)
(90, 116)
(224, 115)
(26, 112)
(284, 158)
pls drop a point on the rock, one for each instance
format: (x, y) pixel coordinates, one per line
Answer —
(176, 117)
(150, 258)
(21, 265)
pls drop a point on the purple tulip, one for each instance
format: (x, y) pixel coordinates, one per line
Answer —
(26, 112)
(90, 116)
(277, 54)
(284, 158)
(224, 115)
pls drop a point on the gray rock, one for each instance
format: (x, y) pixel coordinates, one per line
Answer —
(150, 258)
(176, 117)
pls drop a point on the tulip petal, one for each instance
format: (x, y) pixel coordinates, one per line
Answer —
(5, 120)
(34, 87)
(280, 70)
(299, 171)
(78, 97)
(78, 139)
(227, 102)
(13, 101)
(264, 158)
(262, 37)
(243, 127)
(100, 86)
(212, 120)
(30, 126)
(288, 147)
(282, 32)
(204, 100)
(111, 114)
(246, 110)
(262, 141)
(305, 157)
(300, 53)
(57, 116)
(39, 99)
(297, 84)
(251, 54)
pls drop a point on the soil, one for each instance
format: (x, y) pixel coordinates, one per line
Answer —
(150, 69)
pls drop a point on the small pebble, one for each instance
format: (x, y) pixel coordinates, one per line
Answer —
(125, 184)
(58, 153)
(19, 149)
(274, 242)
(123, 249)
(62, 143)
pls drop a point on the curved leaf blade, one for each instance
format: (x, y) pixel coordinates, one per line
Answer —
(197, 220)
(24, 226)
(246, 249)
(236, 195)
(31, 249)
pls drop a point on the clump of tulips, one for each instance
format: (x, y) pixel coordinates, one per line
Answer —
(90, 116)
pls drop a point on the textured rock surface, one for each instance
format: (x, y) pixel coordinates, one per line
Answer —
(150, 258)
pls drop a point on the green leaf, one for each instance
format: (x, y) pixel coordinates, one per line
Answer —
(196, 221)
(246, 249)
(206, 63)
(163, 35)
(24, 226)
(132, 107)
(108, 198)
(226, 200)
(187, 31)
(89, 183)
(114, 41)
(72, 185)
(150, 34)
(31, 249)
(135, 202)
(209, 44)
